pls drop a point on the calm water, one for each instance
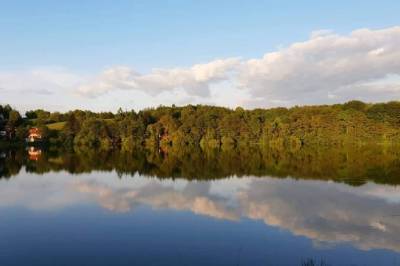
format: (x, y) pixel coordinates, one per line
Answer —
(153, 209)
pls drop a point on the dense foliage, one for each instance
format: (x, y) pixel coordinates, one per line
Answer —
(351, 165)
(354, 122)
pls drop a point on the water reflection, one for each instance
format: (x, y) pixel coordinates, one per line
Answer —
(34, 153)
(365, 215)
(351, 165)
(327, 213)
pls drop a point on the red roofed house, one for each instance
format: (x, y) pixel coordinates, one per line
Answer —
(34, 135)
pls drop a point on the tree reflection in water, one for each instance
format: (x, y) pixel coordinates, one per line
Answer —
(351, 165)
(282, 189)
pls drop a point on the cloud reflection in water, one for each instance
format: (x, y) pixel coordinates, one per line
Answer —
(325, 212)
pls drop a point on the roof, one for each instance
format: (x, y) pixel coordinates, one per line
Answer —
(34, 130)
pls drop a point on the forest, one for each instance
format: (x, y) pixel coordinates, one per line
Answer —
(166, 127)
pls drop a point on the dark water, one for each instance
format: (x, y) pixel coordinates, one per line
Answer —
(239, 207)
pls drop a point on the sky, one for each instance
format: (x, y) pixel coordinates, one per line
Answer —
(102, 55)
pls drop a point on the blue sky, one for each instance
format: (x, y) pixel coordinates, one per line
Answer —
(84, 38)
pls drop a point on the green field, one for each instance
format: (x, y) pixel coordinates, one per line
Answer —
(60, 125)
(56, 126)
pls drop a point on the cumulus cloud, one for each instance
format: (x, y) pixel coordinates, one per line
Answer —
(327, 67)
(194, 80)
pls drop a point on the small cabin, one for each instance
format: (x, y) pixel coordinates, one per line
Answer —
(34, 135)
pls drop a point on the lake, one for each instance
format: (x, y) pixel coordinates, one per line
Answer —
(235, 207)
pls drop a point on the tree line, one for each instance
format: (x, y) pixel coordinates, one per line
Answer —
(205, 126)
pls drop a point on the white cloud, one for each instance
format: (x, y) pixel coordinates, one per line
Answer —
(327, 64)
(320, 33)
(40, 80)
(195, 80)
(49, 88)
(326, 68)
